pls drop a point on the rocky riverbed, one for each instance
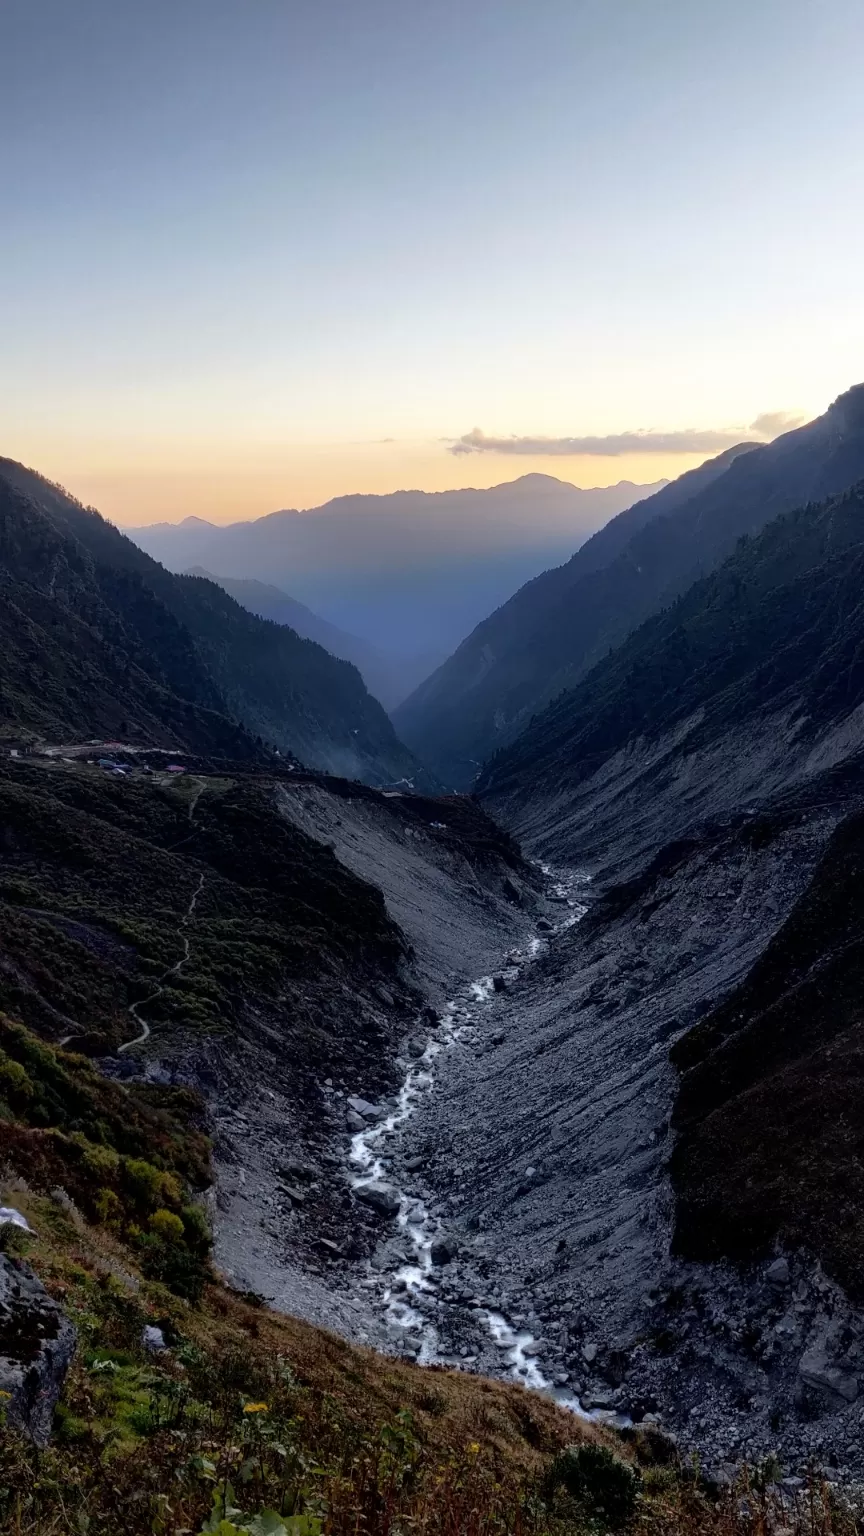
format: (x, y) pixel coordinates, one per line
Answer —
(497, 1199)
(523, 1198)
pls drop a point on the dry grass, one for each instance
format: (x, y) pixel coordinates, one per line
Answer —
(366, 1442)
(350, 1443)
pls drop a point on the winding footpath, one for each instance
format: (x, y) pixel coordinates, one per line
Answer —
(414, 1280)
(176, 968)
(173, 970)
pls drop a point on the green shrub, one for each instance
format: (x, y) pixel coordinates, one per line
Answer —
(167, 1226)
(183, 1272)
(196, 1227)
(14, 1240)
(15, 1082)
(108, 1209)
(103, 1162)
(600, 1481)
(151, 1187)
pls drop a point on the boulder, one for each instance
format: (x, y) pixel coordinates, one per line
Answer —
(544, 925)
(298, 1173)
(499, 984)
(363, 1108)
(817, 1369)
(37, 1342)
(443, 1251)
(778, 1272)
(380, 1197)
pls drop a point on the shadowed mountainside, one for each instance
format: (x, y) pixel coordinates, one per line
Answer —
(769, 1109)
(387, 678)
(78, 594)
(553, 632)
(777, 630)
(515, 659)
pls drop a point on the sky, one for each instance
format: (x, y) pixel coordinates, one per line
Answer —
(258, 253)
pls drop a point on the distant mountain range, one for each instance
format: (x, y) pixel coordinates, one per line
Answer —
(99, 639)
(385, 678)
(411, 573)
(556, 628)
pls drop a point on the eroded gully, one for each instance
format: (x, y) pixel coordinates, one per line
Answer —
(403, 1290)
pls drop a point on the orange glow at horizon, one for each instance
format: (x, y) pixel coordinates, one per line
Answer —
(232, 483)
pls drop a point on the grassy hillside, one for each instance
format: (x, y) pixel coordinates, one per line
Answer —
(252, 1422)
(97, 875)
(245, 1405)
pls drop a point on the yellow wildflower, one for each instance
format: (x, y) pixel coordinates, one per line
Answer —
(473, 1449)
(257, 1408)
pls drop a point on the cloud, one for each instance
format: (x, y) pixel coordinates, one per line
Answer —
(688, 440)
(773, 423)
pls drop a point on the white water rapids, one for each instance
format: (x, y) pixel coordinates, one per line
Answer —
(368, 1147)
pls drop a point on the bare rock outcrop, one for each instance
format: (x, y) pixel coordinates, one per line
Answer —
(37, 1343)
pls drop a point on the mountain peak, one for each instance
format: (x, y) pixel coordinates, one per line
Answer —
(526, 482)
(848, 408)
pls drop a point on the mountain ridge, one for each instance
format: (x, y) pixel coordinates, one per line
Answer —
(469, 709)
(191, 638)
(410, 572)
(774, 631)
(464, 675)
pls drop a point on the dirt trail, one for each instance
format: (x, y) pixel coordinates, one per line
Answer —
(176, 968)
(173, 970)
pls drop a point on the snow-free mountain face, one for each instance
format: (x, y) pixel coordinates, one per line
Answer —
(551, 632)
(410, 573)
(98, 637)
(389, 679)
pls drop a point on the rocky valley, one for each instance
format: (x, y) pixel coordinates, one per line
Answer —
(552, 1085)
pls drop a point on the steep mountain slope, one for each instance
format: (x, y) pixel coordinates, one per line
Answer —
(553, 640)
(771, 643)
(194, 639)
(87, 649)
(97, 874)
(387, 680)
(710, 776)
(769, 1110)
(411, 572)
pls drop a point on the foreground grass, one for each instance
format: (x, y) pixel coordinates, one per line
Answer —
(249, 1411)
(259, 1409)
